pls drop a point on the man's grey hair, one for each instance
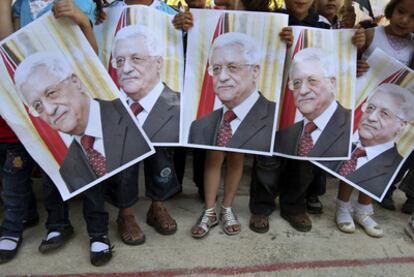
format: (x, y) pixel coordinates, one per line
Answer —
(403, 97)
(53, 63)
(250, 50)
(152, 42)
(327, 62)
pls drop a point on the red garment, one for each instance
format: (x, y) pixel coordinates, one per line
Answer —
(6, 133)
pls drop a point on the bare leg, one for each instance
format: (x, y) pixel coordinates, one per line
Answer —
(212, 176)
(344, 191)
(364, 199)
(232, 177)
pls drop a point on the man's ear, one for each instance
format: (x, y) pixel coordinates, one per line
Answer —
(332, 81)
(401, 127)
(256, 72)
(75, 80)
(160, 63)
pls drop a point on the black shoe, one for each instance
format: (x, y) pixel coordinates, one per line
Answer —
(388, 202)
(27, 223)
(408, 206)
(313, 205)
(56, 242)
(102, 257)
(8, 255)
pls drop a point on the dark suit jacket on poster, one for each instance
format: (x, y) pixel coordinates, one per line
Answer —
(163, 121)
(375, 174)
(253, 133)
(333, 141)
(123, 142)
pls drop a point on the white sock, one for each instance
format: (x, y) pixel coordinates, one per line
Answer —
(364, 212)
(6, 244)
(52, 235)
(343, 211)
(98, 246)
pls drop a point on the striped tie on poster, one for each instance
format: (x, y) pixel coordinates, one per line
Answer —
(207, 93)
(287, 117)
(395, 78)
(123, 21)
(49, 136)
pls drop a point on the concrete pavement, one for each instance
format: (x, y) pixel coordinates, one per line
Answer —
(324, 251)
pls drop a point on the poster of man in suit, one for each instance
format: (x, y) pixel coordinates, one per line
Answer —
(64, 107)
(316, 118)
(384, 133)
(144, 56)
(232, 85)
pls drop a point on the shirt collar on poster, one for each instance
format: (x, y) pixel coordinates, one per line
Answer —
(94, 127)
(322, 120)
(148, 101)
(244, 107)
(375, 150)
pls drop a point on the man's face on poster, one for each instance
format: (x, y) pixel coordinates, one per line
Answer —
(138, 71)
(233, 78)
(61, 103)
(380, 122)
(312, 91)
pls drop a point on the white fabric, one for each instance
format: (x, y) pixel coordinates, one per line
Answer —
(36, 6)
(94, 127)
(381, 41)
(6, 244)
(363, 215)
(321, 121)
(52, 235)
(242, 110)
(343, 212)
(98, 246)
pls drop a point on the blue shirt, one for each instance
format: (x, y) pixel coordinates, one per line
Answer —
(21, 9)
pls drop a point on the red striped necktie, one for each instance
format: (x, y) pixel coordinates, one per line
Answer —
(225, 134)
(96, 159)
(306, 141)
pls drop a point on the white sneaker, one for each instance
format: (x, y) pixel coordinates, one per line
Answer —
(363, 217)
(343, 217)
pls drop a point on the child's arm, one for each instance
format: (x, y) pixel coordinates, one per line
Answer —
(66, 8)
(183, 20)
(6, 26)
(362, 65)
(359, 38)
(287, 36)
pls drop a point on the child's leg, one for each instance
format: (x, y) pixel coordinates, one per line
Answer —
(232, 177)
(212, 176)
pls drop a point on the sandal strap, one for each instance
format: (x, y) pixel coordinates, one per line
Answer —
(228, 217)
(205, 221)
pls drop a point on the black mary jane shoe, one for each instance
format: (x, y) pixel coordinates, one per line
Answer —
(56, 242)
(8, 255)
(102, 257)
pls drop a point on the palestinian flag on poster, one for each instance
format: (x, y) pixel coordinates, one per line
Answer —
(123, 21)
(288, 115)
(207, 96)
(48, 135)
(396, 78)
